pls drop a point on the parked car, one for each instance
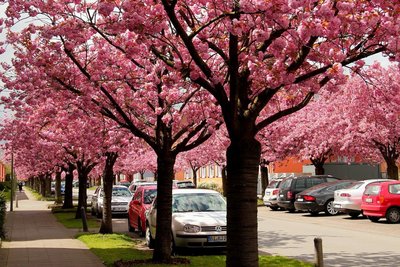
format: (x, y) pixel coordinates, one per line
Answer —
(124, 183)
(382, 200)
(136, 184)
(53, 188)
(291, 186)
(140, 203)
(183, 184)
(320, 197)
(348, 200)
(119, 200)
(198, 219)
(270, 198)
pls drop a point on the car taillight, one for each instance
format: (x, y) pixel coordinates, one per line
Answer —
(345, 195)
(309, 198)
(381, 199)
(289, 195)
(275, 192)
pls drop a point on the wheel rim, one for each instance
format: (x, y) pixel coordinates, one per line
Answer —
(331, 210)
(394, 216)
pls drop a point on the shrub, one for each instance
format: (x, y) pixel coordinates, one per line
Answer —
(5, 186)
(2, 214)
(212, 186)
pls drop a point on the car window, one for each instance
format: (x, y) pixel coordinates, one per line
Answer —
(341, 186)
(314, 181)
(199, 202)
(273, 184)
(372, 190)
(331, 179)
(394, 189)
(149, 195)
(301, 184)
(356, 185)
(286, 184)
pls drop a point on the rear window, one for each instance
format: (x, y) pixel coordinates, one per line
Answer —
(372, 190)
(301, 184)
(356, 185)
(273, 184)
(394, 189)
(286, 184)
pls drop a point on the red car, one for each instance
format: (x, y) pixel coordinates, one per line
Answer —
(382, 200)
(141, 201)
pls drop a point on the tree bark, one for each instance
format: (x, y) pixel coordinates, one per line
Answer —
(392, 170)
(108, 177)
(69, 177)
(243, 158)
(224, 180)
(264, 178)
(83, 172)
(165, 174)
(43, 185)
(58, 188)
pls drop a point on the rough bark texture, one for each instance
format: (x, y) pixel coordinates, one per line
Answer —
(108, 177)
(165, 174)
(57, 193)
(392, 170)
(69, 177)
(83, 172)
(224, 180)
(243, 158)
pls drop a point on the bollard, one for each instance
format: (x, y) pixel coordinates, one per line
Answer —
(84, 220)
(319, 258)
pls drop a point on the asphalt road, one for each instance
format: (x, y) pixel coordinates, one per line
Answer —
(345, 241)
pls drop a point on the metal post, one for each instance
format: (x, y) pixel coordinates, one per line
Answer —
(84, 220)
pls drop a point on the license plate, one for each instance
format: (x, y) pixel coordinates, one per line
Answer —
(300, 199)
(118, 209)
(368, 200)
(267, 194)
(216, 238)
(280, 195)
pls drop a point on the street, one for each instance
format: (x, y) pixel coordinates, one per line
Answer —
(346, 241)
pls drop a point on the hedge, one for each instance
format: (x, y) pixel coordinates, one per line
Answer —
(2, 214)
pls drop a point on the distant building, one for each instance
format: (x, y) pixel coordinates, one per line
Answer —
(2, 172)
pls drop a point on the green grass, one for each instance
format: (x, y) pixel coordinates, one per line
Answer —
(38, 196)
(67, 218)
(110, 248)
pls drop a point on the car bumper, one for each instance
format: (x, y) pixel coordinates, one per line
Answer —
(308, 206)
(271, 202)
(200, 240)
(346, 207)
(375, 211)
(286, 205)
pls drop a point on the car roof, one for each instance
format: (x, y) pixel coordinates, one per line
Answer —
(147, 186)
(311, 176)
(385, 183)
(192, 191)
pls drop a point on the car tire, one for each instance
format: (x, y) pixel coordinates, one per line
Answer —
(130, 228)
(373, 218)
(274, 208)
(142, 232)
(393, 215)
(149, 238)
(354, 214)
(329, 209)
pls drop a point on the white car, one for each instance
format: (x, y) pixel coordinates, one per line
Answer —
(121, 196)
(270, 198)
(349, 200)
(198, 219)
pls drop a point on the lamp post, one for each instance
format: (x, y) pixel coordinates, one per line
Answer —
(12, 180)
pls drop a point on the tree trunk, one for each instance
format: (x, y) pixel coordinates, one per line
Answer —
(392, 170)
(165, 174)
(43, 185)
(57, 193)
(319, 169)
(108, 177)
(83, 172)
(243, 158)
(264, 178)
(194, 170)
(48, 185)
(69, 177)
(224, 180)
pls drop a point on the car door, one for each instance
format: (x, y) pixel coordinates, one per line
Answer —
(135, 206)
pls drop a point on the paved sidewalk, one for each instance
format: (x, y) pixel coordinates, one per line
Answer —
(36, 239)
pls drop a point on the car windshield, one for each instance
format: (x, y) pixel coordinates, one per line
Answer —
(372, 190)
(198, 202)
(273, 184)
(149, 195)
(121, 192)
(285, 184)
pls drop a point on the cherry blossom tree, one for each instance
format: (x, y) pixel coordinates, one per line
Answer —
(259, 60)
(370, 106)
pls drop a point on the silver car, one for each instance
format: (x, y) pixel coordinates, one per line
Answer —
(198, 219)
(270, 198)
(349, 200)
(121, 196)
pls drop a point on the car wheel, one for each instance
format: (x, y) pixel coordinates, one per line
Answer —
(274, 208)
(354, 214)
(130, 228)
(329, 209)
(141, 231)
(149, 238)
(393, 215)
(373, 218)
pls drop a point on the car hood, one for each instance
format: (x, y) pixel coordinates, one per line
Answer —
(121, 199)
(200, 218)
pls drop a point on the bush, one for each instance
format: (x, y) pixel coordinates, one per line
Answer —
(212, 186)
(5, 186)
(2, 214)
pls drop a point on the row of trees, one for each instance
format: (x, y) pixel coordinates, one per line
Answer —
(93, 81)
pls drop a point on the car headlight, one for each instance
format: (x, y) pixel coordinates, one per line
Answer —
(190, 228)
